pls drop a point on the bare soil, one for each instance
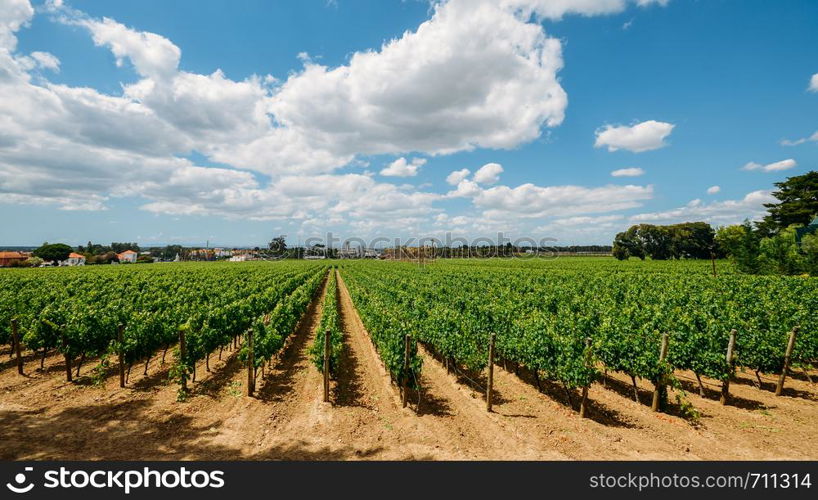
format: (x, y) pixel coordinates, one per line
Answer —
(44, 417)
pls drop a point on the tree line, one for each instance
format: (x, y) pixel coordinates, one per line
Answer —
(784, 241)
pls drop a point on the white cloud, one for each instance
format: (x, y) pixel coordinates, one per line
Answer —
(717, 212)
(478, 73)
(529, 200)
(443, 219)
(582, 225)
(798, 142)
(455, 177)
(474, 75)
(402, 168)
(713, 189)
(771, 167)
(488, 173)
(46, 60)
(465, 188)
(13, 15)
(813, 83)
(556, 9)
(628, 172)
(645, 136)
(504, 203)
(152, 55)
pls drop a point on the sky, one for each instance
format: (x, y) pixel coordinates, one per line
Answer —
(233, 122)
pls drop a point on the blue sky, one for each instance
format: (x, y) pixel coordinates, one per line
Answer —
(184, 121)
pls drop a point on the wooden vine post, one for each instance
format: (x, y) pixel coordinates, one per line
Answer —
(725, 386)
(121, 352)
(251, 368)
(658, 391)
(405, 381)
(326, 365)
(490, 385)
(67, 357)
(779, 389)
(583, 405)
(16, 338)
(182, 356)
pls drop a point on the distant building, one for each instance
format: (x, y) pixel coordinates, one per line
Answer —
(348, 252)
(74, 259)
(128, 256)
(6, 258)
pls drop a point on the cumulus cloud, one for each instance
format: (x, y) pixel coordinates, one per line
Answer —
(13, 15)
(46, 60)
(713, 189)
(403, 168)
(455, 177)
(476, 74)
(557, 9)
(532, 201)
(645, 136)
(813, 83)
(582, 225)
(771, 167)
(628, 172)
(719, 212)
(488, 173)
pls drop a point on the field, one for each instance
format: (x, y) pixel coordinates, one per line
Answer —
(225, 361)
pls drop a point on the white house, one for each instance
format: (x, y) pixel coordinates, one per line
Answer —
(128, 256)
(74, 259)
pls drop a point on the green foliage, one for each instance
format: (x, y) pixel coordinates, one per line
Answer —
(780, 253)
(213, 303)
(797, 203)
(386, 318)
(330, 322)
(272, 331)
(809, 246)
(53, 252)
(34, 261)
(543, 311)
(690, 240)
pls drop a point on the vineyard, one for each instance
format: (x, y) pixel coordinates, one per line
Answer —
(131, 314)
(572, 325)
(591, 337)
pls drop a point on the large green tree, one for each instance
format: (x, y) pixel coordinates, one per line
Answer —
(51, 252)
(690, 240)
(798, 203)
